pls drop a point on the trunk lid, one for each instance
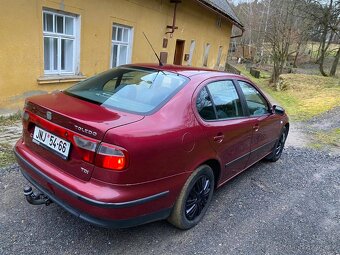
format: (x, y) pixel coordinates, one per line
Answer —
(65, 116)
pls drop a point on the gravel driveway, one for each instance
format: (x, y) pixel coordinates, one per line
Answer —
(288, 207)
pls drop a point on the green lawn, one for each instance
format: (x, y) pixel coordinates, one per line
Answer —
(306, 95)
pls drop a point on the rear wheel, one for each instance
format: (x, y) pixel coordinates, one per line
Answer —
(278, 148)
(194, 199)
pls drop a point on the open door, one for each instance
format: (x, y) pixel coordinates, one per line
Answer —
(179, 52)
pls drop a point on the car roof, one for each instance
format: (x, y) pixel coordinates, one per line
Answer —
(187, 71)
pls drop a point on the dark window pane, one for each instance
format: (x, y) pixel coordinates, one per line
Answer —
(69, 23)
(55, 53)
(47, 57)
(204, 105)
(67, 55)
(123, 53)
(114, 55)
(48, 22)
(60, 24)
(226, 100)
(126, 35)
(257, 105)
(120, 34)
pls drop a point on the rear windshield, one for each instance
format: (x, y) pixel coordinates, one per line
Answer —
(134, 90)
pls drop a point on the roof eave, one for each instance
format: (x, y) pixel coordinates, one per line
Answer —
(225, 15)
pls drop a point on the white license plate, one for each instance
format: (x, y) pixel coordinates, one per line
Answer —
(52, 142)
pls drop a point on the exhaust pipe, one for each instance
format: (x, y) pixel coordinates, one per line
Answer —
(36, 198)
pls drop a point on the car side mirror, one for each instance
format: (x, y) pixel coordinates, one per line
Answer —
(278, 110)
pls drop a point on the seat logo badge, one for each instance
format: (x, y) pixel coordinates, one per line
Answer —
(48, 115)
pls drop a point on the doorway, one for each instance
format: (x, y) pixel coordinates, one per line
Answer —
(179, 52)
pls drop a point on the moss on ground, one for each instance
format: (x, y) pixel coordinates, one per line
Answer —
(6, 155)
(9, 120)
(6, 150)
(322, 139)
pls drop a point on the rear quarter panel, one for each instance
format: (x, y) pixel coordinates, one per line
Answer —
(170, 142)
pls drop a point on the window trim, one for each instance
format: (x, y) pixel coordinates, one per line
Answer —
(236, 86)
(244, 101)
(59, 36)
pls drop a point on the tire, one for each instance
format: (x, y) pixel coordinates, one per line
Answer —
(278, 148)
(194, 199)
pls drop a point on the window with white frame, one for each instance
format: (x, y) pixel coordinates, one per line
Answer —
(60, 43)
(121, 45)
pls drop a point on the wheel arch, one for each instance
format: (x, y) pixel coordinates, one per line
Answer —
(216, 167)
(287, 127)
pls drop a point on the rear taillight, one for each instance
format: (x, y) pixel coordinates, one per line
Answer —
(111, 157)
(106, 156)
(87, 147)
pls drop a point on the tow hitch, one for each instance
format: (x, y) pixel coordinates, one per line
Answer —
(36, 198)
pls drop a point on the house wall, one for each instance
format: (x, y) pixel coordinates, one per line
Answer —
(21, 38)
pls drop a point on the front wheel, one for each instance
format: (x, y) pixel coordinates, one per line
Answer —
(194, 199)
(278, 148)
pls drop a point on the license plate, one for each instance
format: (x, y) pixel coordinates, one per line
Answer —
(51, 142)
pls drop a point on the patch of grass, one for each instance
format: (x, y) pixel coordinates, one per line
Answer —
(8, 120)
(6, 155)
(306, 96)
(321, 139)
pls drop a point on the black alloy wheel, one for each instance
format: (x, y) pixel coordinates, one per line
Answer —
(278, 148)
(198, 197)
(194, 199)
(280, 144)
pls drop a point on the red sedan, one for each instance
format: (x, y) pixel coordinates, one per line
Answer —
(141, 143)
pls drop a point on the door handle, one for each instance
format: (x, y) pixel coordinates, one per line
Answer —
(256, 127)
(219, 138)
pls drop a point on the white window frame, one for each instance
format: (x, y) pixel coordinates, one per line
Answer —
(59, 36)
(119, 43)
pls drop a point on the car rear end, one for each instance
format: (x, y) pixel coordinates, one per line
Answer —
(64, 145)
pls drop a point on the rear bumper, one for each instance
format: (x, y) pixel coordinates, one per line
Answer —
(104, 214)
(163, 214)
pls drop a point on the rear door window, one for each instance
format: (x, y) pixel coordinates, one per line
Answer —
(204, 105)
(219, 100)
(225, 99)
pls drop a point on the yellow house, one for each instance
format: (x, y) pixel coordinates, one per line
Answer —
(48, 45)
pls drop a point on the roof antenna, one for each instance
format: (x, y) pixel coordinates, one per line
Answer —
(159, 60)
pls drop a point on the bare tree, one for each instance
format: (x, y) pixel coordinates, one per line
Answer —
(327, 16)
(281, 32)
